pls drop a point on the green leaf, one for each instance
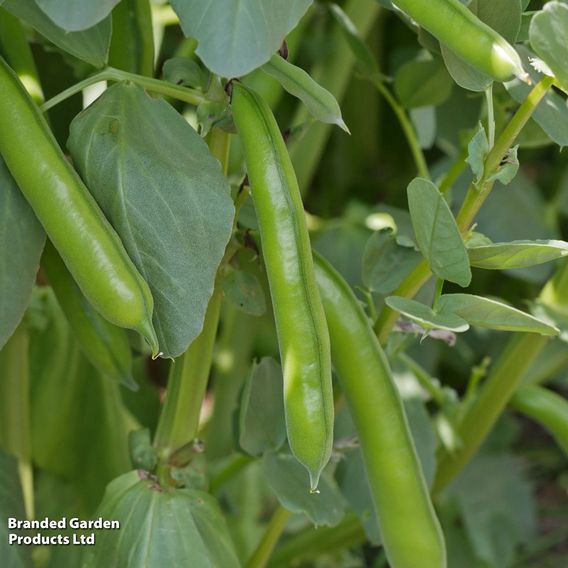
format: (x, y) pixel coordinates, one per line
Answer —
(477, 150)
(262, 424)
(19, 231)
(185, 71)
(484, 312)
(76, 15)
(164, 193)
(289, 481)
(385, 263)
(236, 37)
(552, 113)
(549, 37)
(424, 121)
(89, 45)
(508, 168)
(159, 527)
(516, 254)
(142, 454)
(11, 506)
(437, 234)
(425, 316)
(244, 291)
(319, 101)
(422, 83)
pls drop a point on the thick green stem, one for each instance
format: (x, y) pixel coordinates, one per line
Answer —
(273, 532)
(191, 96)
(15, 436)
(407, 128)
(333, 74)
(495, 394)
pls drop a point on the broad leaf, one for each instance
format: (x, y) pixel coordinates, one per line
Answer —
(185, 71)
(425, 316)
(484, 312)
(422, 83)
(164, 193)
(11, 506)
(386, 263)
(516, 254)
(89, 45)
(76, 15)
(289, 481)
(244, 290)
(424, 121)
(319, 101)
(262, 424)
(236, 37)
(21, 242)
(549, 37)
(159, 527)
(437, 234)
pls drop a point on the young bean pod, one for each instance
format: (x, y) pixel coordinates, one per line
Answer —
(458, 28)
(89, 246)
(409, 527)
(300, 321)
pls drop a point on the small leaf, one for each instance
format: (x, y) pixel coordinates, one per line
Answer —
(477, 150)
(90, 45)
(549, 37)
(423, 314)
(424, 121)
(288, 479)
(76, 15)
(159, 527)
(19, 231)
(185, 71)
(437, 234)
(319, 101)
(244, 291)
(385, 263)
(491, 314)
(422, 83)
(508, 168)
(516, 254)
(142, 454)
(262, 425)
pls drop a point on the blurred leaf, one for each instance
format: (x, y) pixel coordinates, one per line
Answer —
(164, 193)
(319, 101)
(424, 121)
(185, 71)
(423, 314)
(422, 83)
(484, 312)
(76, 15)
(21, 232)
(516, 254)
(142, 454)
(262, 425)
(244, 291)
(477, 150)
(289, 481)
(159, 527)
(437, 234)
(224, 30)
(11, 506)
(90, 45)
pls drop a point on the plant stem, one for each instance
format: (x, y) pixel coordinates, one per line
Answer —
(232, 468)
(496, 392)
(453, 173)
(191, 96)
(425, 380)
(407, 128)
(276, 526)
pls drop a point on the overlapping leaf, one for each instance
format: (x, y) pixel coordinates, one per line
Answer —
(516, 254)
(76, 15)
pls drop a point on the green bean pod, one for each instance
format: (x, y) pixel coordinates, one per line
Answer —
(89, 246)
(300, 321)
(105, 345)
(409, 527)
(546, 408)
(462, 31)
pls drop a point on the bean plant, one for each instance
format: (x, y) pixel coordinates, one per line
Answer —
(283, 283)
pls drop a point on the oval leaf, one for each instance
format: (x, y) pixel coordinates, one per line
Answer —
(516, 254)
(89, 45)
(164, 193)
(422, 83)
(244, 291)
(159, 527)
(76, 15)
(236, 37)
(21, 242)
(437, 234)
(423, 315)
(483, 312)
(319, 101)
